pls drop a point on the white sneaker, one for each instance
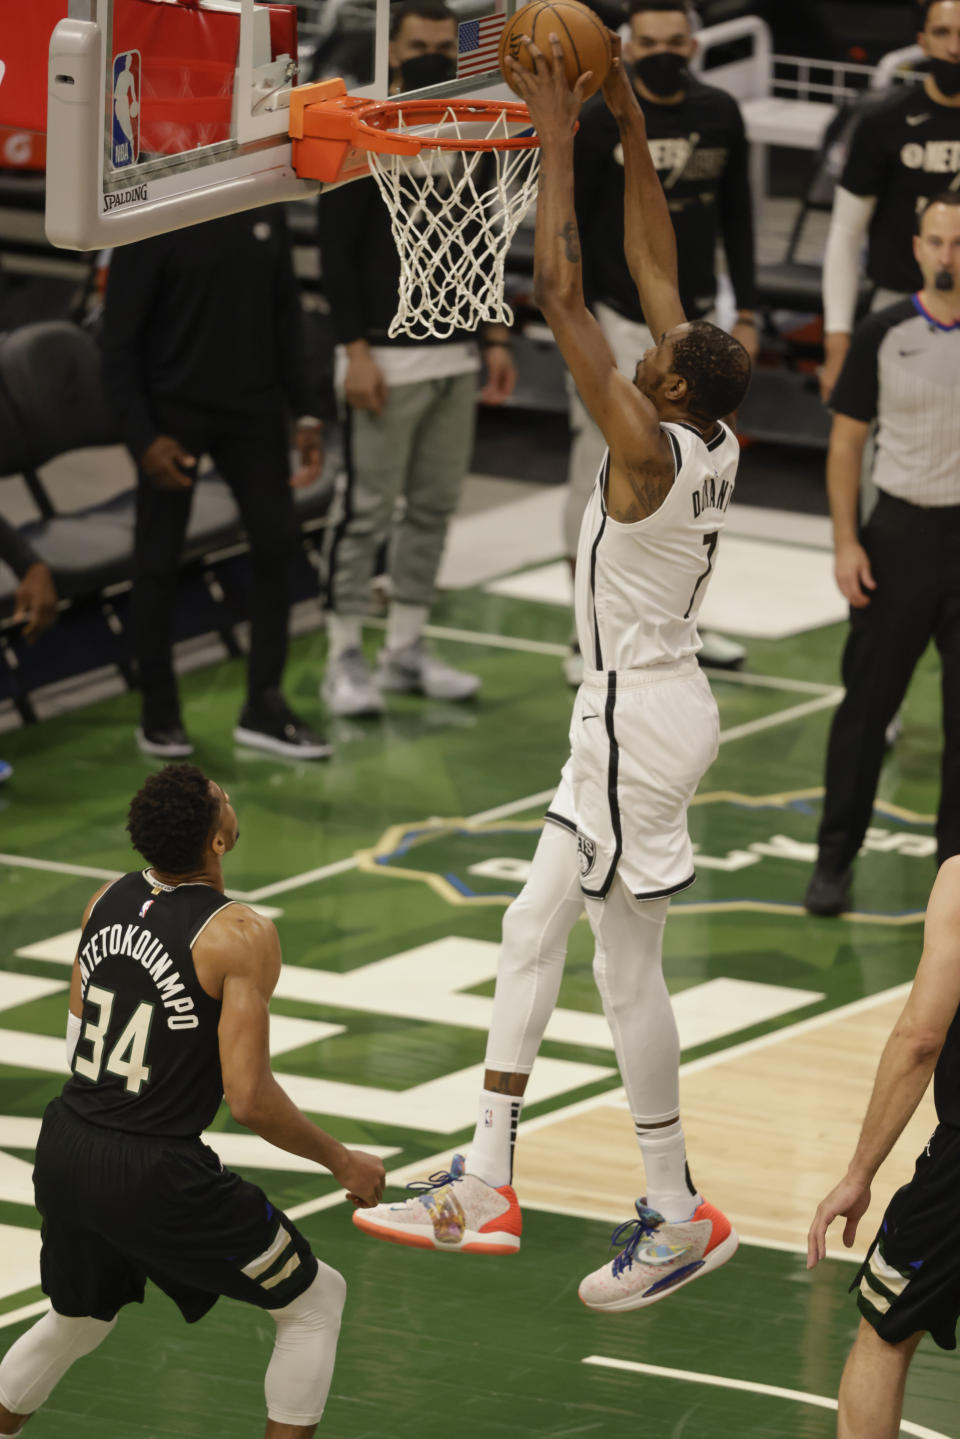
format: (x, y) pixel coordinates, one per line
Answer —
(573, 666)
(721, 653)
(348, 686)
(414, 670)
(657, 1257)
(452, 1211)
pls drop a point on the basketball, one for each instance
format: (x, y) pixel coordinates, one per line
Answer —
(583, 37)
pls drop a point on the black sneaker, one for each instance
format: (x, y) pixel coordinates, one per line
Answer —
(280, 731)
(171, 742)
(828, 892)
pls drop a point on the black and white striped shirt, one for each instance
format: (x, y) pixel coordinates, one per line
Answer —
(903, 369)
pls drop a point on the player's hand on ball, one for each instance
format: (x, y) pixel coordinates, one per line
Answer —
(362, 1176)
(553, 104)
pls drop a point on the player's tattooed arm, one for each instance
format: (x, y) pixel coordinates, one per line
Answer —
(571, 242)
(645, 490)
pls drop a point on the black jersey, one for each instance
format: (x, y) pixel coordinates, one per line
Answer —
(700, 152)
(904, 149)
(148, 1058)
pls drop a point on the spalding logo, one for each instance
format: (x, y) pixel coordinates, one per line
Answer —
(587, 853)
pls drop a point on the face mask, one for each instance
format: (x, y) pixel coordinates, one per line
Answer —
(946, 76)
(664, 73)
(422, 70)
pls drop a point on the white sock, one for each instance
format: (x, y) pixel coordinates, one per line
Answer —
(491, 1153)
(405, 625)
(670, 1190)
(344, 632)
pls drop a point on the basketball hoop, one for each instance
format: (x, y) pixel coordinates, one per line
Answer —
(457, 177)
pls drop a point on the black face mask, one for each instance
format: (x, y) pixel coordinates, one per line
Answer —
(422, 70)
(664, 73)
(946, 76)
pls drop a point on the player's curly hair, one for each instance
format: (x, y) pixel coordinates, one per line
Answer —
(171, 818)
(717, 370)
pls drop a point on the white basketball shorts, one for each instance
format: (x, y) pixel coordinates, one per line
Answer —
(640, 743)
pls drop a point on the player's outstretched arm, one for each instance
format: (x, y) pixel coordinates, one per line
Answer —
(908, 1060)
(246, 949)
(649, 242)
(626, 418)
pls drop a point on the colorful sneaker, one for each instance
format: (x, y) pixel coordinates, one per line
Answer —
(456, 1212)
(657, 1257)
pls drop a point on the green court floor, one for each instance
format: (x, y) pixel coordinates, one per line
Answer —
(401, 852)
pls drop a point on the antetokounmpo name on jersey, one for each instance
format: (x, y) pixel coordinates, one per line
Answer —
(713, 494)
(140, 945)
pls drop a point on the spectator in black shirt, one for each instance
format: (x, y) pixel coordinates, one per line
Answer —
(202, 355)
(904, 149)
(410, 412)
(700, 151)
(36, 593)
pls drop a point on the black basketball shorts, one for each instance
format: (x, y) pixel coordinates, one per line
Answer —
(119, 1209)
(910, 1279)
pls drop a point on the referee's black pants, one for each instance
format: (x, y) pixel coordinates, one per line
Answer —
(915, 557)
(251, 452)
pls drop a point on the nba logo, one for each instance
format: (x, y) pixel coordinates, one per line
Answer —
(125, 144)
(144, 907)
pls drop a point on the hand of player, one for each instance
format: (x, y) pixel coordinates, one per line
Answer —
(850, 1198)
(553, 105)
(36, 600)
(749, 337)
(362, 1176)
(617, 90)
(852, 572)
(835, 347)
(168, 465)
(501, 375)
(309, 445)
(364, 386)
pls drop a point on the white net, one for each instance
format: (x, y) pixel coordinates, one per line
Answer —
(453, 214)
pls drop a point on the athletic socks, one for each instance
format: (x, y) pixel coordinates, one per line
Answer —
(344, 632)
(405, 625)
(491, 1153)
(670, 1190)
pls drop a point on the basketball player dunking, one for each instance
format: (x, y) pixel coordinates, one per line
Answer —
(644, 729)
(168, 1013)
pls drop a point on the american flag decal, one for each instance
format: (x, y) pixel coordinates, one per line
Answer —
(477, 44)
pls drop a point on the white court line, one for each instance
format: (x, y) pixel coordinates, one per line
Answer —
(54, 866)
(29, 1311)
(740, 731)
(746, 1386)
(341, 866)
(772, 682)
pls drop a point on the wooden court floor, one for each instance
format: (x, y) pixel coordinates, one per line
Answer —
(387, 872)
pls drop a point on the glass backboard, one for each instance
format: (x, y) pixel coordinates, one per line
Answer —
(163, 113)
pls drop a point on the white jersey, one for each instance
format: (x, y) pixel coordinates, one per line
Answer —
(640, 586)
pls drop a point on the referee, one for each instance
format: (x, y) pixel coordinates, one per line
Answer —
(904, 149)
(902, 575)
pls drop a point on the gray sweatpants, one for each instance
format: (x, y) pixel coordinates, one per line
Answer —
(404, 474)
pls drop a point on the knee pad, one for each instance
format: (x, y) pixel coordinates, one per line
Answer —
(40, 1358)
(300, 1369)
